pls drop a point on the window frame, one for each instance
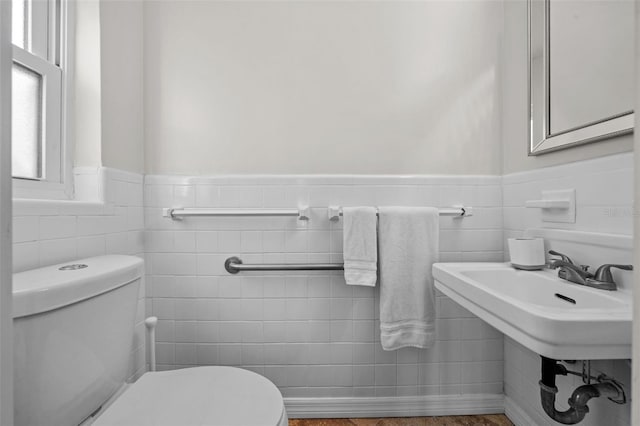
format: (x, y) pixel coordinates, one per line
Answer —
(57, 85)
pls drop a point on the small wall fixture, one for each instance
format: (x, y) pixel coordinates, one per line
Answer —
(556, 205)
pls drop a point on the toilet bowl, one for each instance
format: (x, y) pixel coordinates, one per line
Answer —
(224, 396)
(73, 334)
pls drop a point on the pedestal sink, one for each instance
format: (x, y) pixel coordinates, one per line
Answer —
(548, 315)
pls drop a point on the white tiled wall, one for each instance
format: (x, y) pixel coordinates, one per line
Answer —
(309, 332)
(604, 195)
(604, 198)
(50, 232)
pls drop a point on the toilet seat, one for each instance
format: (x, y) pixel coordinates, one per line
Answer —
(200, 396)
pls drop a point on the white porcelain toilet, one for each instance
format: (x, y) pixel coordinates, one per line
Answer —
(73, 330)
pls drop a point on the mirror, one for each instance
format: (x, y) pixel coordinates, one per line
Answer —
(580, 72)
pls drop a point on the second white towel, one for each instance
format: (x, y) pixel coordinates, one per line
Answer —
(408, 248)
(360, 246)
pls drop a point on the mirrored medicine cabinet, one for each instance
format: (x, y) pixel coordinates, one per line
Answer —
(580, 72)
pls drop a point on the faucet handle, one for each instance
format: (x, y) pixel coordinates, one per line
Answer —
(564, 257)
(603, 273)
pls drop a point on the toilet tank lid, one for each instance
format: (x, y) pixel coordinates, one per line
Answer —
(44, 289)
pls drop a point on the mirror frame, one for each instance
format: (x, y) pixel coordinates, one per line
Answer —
(605, 128)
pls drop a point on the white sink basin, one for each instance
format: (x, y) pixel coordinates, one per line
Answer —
(544, 313)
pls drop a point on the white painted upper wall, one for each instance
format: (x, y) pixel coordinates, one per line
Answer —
(322, 87)
(515, 121)
(108, 85)
(122, 101)
(87, 74)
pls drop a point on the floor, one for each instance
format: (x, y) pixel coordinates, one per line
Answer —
(485, 420)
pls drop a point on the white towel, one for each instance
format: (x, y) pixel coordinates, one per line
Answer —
(408, 248)
(360, 245)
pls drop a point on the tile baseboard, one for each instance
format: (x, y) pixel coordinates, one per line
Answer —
(431, 405)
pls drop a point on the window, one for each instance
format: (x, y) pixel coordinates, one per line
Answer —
(39, 55)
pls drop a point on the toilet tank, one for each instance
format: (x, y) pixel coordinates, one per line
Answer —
(73, 335)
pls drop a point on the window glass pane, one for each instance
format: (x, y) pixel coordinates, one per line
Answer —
(18, 21)
(26, 122)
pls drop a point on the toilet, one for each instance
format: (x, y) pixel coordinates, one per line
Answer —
(73, 329)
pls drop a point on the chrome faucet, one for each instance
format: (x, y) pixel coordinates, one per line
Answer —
(602, 279)
(570, 272)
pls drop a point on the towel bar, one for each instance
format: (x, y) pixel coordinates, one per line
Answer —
(334, 212)
(233, 265)
(178, 213)
(303, 213)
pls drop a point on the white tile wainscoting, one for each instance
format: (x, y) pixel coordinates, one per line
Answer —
(111, 221)
(604, 203)
(309, 332)
(315, 337)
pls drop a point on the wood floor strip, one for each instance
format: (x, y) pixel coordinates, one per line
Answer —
(484, 420)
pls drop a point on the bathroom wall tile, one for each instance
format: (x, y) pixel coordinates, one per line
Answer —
(207, 354)
(185, 354)
(319, 331)
(165, 331)
(239, 196)
(384, 357)
(118, 243)
(313, 334)
(252, 354)
(363, 375)
(252, 332)
(206, 331)
(94, 225)
(296, 354)
(428, 374)
(158, 196)
(230, 309)
(165, 353)
(407, 374)
(184, 241)
(274, 332)
(341, 309)
(385, 375)
(450, 373)
(91, 246)
(184, 195)
(408, 355)
(185, 309)
(55, 251)
(297, 309)
(341, 353)
(297, 331)
(481, 350)
(207, 310)
(52, 227)
(25, 228)
(364, 331)
(229, 354)
(207, 287)
(230, 287)
(210, 264)
(173, 264)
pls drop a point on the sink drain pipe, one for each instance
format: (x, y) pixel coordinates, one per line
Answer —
(578, 402)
